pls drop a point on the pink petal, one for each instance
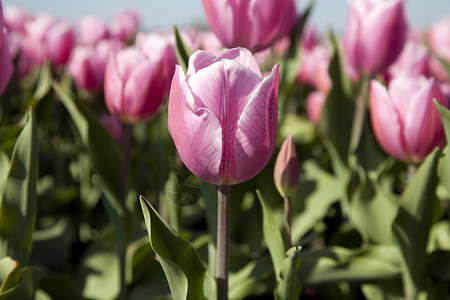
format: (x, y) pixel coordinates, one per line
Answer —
(113, 89)
(199, 60)
(243, 57)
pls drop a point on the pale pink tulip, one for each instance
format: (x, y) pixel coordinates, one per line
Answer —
(133, 87)
(87, 63)
(254, 24)
(439, 41)
(412, 62)
(90, 30)
(15, 19)
(314, 106)
(314, 68)
(223, 116)
(404, 118)
(125, 25)
(375, 34)
(48, 39)
(286, 172)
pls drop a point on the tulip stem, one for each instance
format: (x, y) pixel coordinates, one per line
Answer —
(124, 182)
(223, 241)
(411, 171)
(287, 220)
(360, 113)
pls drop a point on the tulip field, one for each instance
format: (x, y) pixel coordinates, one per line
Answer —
(251, 157)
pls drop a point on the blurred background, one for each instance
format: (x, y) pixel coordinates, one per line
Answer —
(162, 14)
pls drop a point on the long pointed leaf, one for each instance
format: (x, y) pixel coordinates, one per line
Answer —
(18, 196)
(180, 261)
(288, 287)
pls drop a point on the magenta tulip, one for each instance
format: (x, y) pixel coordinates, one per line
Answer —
(87, 64)
(286, 172)
(223, 116)
(375, 34)
(48, 39)
(254, 24)
(404, 119)
(133, 87)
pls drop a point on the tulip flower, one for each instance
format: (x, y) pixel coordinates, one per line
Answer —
(223, 116)
(404, 119)
(6, 65)
(87, 64)
(90, 30)
(314, 106)
(439, 41)
(124, 25)
(286, 173)
(48, 39)
(15, 19)
(251, 24)
(133, 87)
(314, 68)
(412, 62)
(375, 34)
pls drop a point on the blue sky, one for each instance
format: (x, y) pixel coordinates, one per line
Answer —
(166, 13)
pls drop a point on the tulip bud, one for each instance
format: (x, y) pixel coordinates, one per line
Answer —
(91, 30)
(133, 87)
(375, 34)
(124, 25)
(286, 173)
(404, 119)
(251, 24)
(223, 116)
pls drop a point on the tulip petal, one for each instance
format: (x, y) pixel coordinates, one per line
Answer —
(243, 57)
(113, 88)
(256, 133)
(385, 120)
(199, 60)
(196, 131)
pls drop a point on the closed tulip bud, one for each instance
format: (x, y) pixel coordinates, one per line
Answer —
(125, 25)
(286, 173)
(48, 39)
(314, 106)
(251, 24)
(375, 34)
(87, 64)
(223, 116)
(133, 89)
(404, 118)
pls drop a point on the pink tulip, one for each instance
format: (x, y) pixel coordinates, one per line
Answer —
(6, 65)
(124, 25)
(314, 68)
(286, 172)
(15, 19)
(133, 87)
(48, 39)
(439, 41)
(223, 116)
(250, 23)
(90, 30)
(87, 64)
(375, 34)
(404, 119)
(314, 106)
(412, 62)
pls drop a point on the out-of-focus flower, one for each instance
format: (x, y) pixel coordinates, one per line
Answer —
(439, 40)
(375, 34)
(314, 106)
(133, 87)
(50, 39)
(125, 25)
(87, 63)
(223, 116)
(15, 19)
(286, 172)
(309, 37)
(412, 62)
(404, 119)
(6, 65)
(314, 68)
(114, 127)
(90, 30)
(252, 24)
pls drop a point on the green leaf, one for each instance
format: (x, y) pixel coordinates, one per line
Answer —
(183, 52)
(444, 164)
(4, 165)
(272, 235)
(337, 115)
(180, 261)
(288, 287)
(9, 274)
(412, 225)
(337, 264)
(44, 82)
(26, 288)
(18, 196)
(104, 155)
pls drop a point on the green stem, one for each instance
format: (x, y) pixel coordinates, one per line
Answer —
(360, 113)
(126, 162)
(287, 221)
(223, 241)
